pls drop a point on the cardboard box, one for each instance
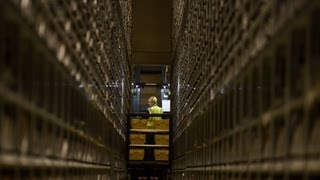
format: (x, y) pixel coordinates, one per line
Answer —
(161, 139)
(162, 124)
(138, 123)
(136, 154)
(137, 138)
(161, 154)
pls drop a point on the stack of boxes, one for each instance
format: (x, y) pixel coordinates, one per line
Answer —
(137, 153)
(139, 138)
(161, 154)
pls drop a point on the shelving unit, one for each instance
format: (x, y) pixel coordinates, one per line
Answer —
(245, 85)
(165, 117)
(64, 89)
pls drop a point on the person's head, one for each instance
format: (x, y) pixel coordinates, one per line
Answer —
(152, 101)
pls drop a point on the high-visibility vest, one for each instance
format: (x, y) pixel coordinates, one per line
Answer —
(153, 110)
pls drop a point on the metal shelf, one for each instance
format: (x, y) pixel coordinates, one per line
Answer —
(149, 145)
(12, 160)
(149, 131)
(157, 163)
(293, 166)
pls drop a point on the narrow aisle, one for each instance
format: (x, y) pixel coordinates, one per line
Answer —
(160, 89)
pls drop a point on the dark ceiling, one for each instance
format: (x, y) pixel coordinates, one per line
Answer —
(151, 36)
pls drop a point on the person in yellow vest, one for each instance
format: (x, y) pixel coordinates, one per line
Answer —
(153, 109)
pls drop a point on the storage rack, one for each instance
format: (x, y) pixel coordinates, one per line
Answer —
(126, 11)
(64, 89)
(157, 167)
(165, 117)
(247, 90)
